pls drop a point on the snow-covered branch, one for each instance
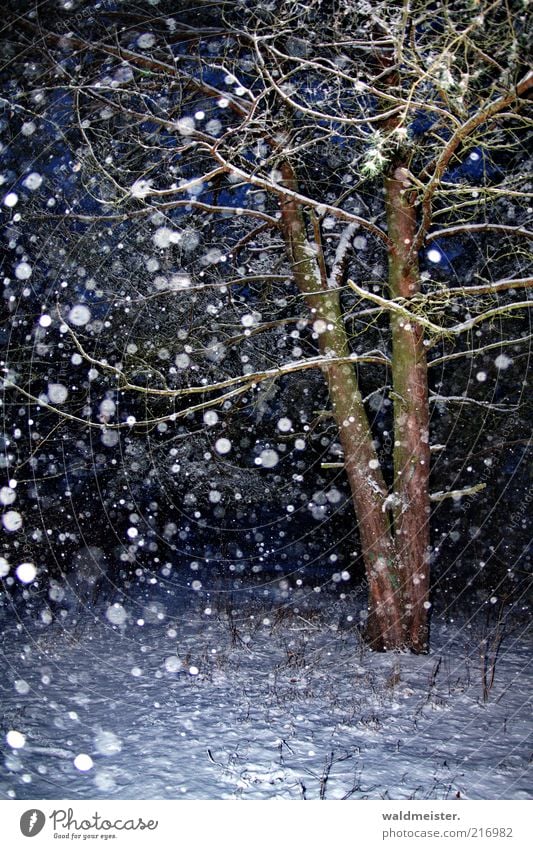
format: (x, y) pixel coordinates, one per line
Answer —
(463, 399)
(478, 228)
(131, 422)
(473, 352)
(457, 493)
(341, 255)
(490, 288)
(398, 307)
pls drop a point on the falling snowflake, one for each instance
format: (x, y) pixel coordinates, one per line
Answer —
(79, 315)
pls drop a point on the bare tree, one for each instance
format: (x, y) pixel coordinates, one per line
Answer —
(334, 150)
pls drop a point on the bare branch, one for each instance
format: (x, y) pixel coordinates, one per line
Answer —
(455, 330)
(287, 194)
(150, 209)
(478, 228)
(249, 379)
(472, 352)
(463, 399)
(458, 137)
(237, 104)
(457, 493)
(170, 417)
(491, 288)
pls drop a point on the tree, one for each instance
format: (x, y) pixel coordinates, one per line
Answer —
(328, 154)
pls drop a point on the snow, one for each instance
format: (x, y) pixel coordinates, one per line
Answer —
(268, 458)
(83, 762)
(238, 695)
(284, 424)
(23, 271)
(214, 127)
(7, 495)
(110, 438)
(106, 743)
(107, 408)
(146, 40)
(116, 614)
(28, 128)
(164, 237)
(15, 739)
(12, 520)
(33, 181)
(185, 126)
(223, 445)
(320, 326)
(503, 362)
(26, 573)
(79, 315)
(140, 188)
(57, 393)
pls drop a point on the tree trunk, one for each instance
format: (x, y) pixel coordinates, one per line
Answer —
(411, 419)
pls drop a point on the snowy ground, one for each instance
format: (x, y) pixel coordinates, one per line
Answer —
(268, 702)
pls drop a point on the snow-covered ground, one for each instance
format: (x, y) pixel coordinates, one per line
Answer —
(239, 695)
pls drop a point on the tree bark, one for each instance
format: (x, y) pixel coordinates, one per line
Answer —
(411, 418)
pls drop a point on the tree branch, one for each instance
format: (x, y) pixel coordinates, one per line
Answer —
(397, 307)
(457, 493)
(457, 138)
(478, 228)
(303, 200)
(472, 352)
(461, 399)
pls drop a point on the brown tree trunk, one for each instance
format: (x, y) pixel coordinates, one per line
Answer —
(411, 418)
